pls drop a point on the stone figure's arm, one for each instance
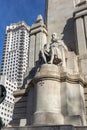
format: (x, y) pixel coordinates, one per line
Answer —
(61, 43)
(65, 47)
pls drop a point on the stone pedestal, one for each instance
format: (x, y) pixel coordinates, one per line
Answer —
(59, 97)
(47, 96)
(47, 127)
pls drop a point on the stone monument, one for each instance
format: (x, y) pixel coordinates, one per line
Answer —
(58, 100)
(54, 93)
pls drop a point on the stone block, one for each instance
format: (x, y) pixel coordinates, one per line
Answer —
(54, 98)
(85, 97)
(54, 127)
(72, 66)
(85, 90)
(47, 97)
(81, 128)
(80, 36)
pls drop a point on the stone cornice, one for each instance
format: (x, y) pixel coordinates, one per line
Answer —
(80, 8)
(40, 24)
(80, 11)
(63, 77)
(19, 93)
(37, 30)
(38, 27)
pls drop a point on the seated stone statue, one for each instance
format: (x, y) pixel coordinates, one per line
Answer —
(55, 52)
(45, 53)
(51, 53)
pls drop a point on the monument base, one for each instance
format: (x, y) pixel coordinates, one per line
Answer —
(53, 127)
(47, 97)
(50, 118)
(58, 97)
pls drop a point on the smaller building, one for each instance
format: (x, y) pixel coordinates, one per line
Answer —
(6, 107)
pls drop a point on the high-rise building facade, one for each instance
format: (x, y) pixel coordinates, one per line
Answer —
(6, 107)
(15, 54)
(14, 63)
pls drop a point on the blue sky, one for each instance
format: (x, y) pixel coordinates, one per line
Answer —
(13, 11)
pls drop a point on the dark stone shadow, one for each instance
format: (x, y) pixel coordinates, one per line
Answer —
(31, 74)
(24, 107)
(69, 35)
(17, 114)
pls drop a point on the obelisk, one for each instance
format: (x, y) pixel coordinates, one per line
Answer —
(59, 17)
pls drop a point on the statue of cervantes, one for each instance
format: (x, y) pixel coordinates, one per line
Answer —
(51, 53)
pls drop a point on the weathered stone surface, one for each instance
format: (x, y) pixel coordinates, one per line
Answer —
(55, 98)
(72, 64)
(81, 28)
(54, 127)
(60, 20)
(58, 96)
(38, 37)
(47, 98)
(80, 36)
(31, 51)
(81, 128)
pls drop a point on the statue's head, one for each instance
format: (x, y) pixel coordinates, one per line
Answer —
(54, 37)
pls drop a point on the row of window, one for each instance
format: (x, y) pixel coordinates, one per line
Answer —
(10, 85)
(7, 105)
(5, 120)
(5, 114)
(6, 110)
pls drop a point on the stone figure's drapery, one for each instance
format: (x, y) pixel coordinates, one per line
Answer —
(52, 53)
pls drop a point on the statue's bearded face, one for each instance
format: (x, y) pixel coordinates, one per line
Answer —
(54, 37)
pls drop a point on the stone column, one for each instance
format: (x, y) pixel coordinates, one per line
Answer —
(81, 40)
(81, 28)
(80, 36)
(38, 37)
(31, 51)
(47, 96)
(41, 39)
(85, 20)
